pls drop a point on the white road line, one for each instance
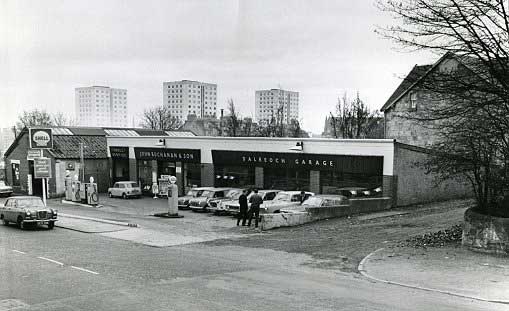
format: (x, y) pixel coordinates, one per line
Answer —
(19, 252)
(84, 270)
(51, 260)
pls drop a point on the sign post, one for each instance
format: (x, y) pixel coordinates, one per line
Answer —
(42, 170)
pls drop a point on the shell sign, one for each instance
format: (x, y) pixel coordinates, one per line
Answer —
(41, 138)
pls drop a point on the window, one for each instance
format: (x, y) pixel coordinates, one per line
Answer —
(413, 101)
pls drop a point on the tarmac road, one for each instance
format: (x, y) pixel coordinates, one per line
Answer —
(68, 270)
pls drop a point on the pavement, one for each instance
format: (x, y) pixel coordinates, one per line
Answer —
(451, 270)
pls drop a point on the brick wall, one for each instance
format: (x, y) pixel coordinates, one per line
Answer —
(207, 175)
(314, 181)
(19, 153)
(415, 186)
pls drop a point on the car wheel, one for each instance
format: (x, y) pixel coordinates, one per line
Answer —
(51, 225)
(20, 222)
(124, 196)
(110, 195)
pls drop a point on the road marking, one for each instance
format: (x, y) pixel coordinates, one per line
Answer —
(51, 260)
(84, 270)
(19, 252)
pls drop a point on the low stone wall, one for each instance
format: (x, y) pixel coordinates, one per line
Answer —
(486, 233)
(355, 206)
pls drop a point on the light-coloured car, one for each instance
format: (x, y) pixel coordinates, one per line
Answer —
(233, 207)
(4, 189)
(201, 203)
(183, 202)
(283, 199)
(25, 210)
(125, 189)
(321, 200)
(216, 206)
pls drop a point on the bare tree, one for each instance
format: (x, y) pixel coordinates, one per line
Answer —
(354, 119)
(59, 119)
(34, 118)
(469, 92)
(160, 118)
(233, 120)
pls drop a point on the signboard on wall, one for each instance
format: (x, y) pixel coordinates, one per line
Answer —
(119, 152)
(40, 138)
(42, 168)
(34, 153)
(346, 163)
(168, 154)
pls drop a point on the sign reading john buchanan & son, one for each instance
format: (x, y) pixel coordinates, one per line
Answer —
(361, 164)
(168, 154)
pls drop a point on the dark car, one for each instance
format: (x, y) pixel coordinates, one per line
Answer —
(25, 210)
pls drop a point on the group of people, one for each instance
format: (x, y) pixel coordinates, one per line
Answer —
(247, 214)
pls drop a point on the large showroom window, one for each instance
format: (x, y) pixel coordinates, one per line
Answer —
(286, 179)
(234, 176)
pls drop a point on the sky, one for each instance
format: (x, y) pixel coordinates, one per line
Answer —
(318, 48)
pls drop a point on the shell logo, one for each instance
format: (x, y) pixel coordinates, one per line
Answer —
(41, 139)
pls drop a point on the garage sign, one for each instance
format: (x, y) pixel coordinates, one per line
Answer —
(41, 138)
(42, 168)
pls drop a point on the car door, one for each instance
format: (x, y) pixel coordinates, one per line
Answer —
(115, 190)
(10, 213)
(5, 210)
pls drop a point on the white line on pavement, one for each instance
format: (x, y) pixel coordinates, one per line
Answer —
(51, 260)
(84, 270)
(19, 252)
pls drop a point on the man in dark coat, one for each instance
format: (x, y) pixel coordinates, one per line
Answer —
(242, 208)
(255, 200)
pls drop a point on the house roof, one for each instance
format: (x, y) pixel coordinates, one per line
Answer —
(408, 82)
(68, 147)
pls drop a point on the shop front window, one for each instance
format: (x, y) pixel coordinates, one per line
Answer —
(145, 175)
(165, 168)
(234, 176)
(120, 170)
(192, 175)
(286, 179)
(350, 184)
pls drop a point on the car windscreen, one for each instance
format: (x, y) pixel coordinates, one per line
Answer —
(313, 201)
(207, 193)
(282, 197)
(234, 194)
(29, 203)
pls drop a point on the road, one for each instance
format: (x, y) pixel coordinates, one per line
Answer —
(68, 270)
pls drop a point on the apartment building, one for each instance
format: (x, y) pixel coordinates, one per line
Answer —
(190, 97)
(276, 103)
(101, 106)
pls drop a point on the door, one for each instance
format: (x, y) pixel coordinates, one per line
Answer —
(36, 182)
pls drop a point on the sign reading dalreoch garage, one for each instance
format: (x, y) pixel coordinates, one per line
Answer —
(360, 164)
(41, 138)
(119, 152)
(168, 154)
(42, 168)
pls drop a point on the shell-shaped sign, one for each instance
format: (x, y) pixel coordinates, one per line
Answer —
(41, 139)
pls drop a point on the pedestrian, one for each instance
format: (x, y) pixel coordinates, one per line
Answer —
(302, 196)
(242, 208)
(255, 200)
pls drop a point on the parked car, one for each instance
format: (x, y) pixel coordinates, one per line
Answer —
(232, 206)
(4, 189)
(25, 210)
(283, 199)
(183, 202)
(201, 203)
(125, 189)
(216, 205)
(321, 200)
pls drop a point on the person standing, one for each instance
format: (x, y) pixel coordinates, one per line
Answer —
(302, 196)
(255, 200)
(242, 208)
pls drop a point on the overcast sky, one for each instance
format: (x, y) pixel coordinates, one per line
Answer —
(318, 48)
